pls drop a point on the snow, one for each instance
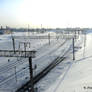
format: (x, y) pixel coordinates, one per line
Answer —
(45, 55)
(78, 75)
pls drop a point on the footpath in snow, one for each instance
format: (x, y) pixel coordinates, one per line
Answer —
(78, 77)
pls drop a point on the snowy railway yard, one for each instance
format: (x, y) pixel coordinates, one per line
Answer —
(14, 72)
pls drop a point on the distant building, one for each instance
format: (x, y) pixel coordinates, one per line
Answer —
(1, 31)
(5, 30)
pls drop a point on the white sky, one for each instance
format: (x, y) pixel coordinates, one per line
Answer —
(49, 13)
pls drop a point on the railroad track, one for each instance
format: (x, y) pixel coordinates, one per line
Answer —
(27, 86)
(39, 76)
(13, 64)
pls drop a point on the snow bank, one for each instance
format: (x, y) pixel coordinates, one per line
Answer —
(78, 77)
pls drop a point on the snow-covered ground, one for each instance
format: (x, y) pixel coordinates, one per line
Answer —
(78, 75)
(9, 81)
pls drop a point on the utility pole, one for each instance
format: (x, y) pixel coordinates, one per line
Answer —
(15, 73)
(25, 45)
(13, 43)
(49, 38)
(31, 74)
(84, 44)
(73, 50)
(28, 30)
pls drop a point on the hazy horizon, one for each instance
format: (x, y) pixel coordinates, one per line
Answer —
(49, 13)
